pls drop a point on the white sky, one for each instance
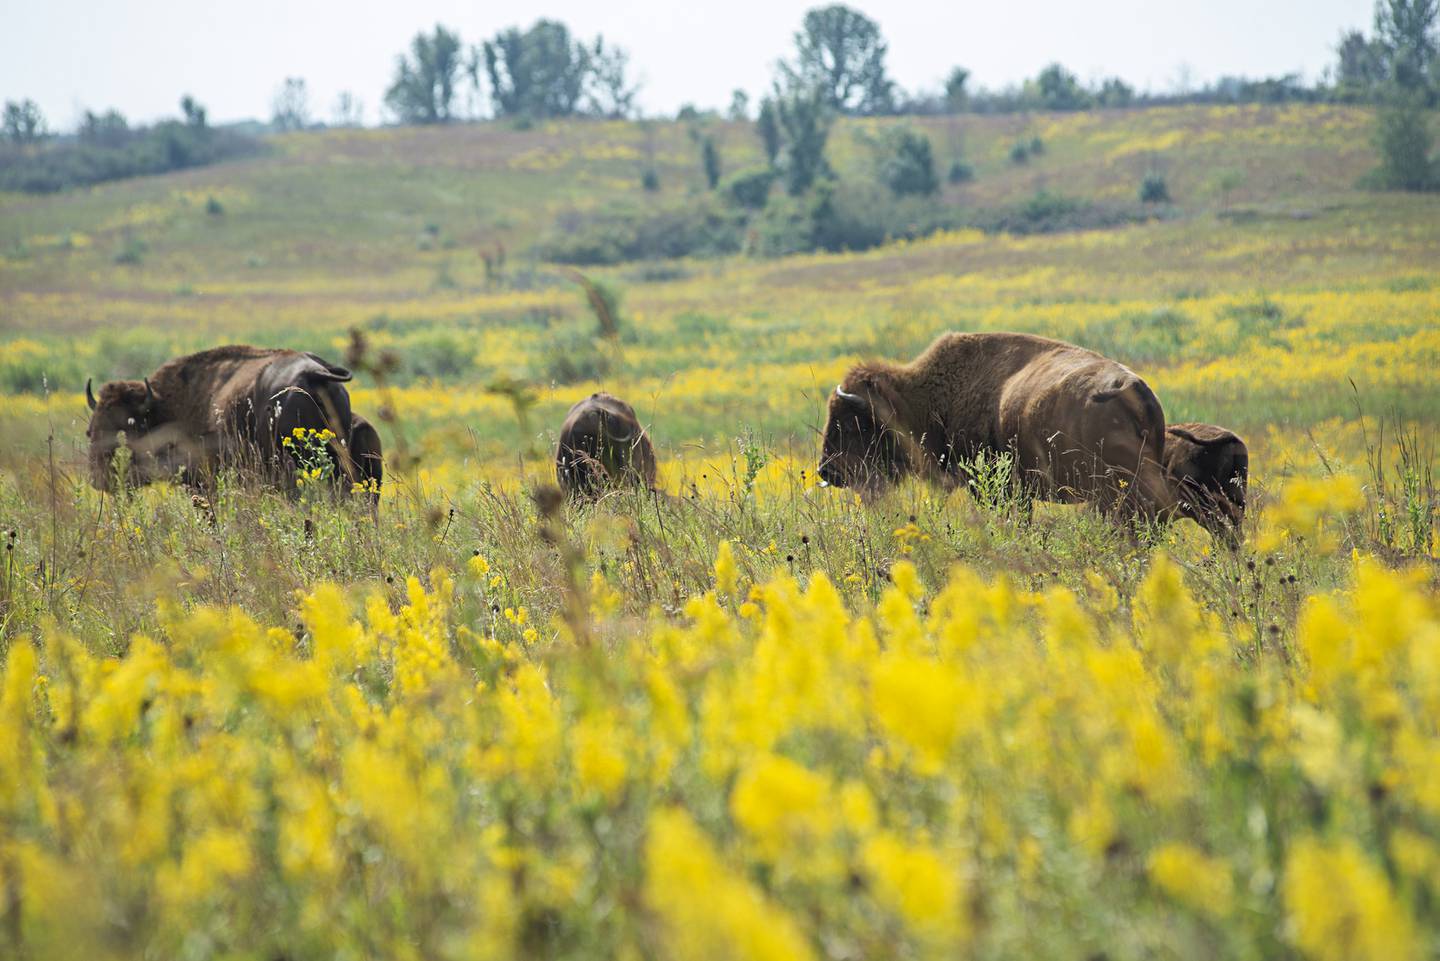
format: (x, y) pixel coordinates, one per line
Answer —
(139, 56)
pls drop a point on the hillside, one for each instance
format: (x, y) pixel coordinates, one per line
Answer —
(357, 204)
(1269, 249)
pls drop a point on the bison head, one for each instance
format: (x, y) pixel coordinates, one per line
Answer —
(863, 445)
(129, 412)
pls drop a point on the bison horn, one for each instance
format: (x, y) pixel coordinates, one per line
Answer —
(843, 394)
(89, 395)
(149, 395)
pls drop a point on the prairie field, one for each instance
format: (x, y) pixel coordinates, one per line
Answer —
(746, 715)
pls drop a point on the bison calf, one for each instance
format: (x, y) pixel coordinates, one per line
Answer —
(602, 445)
(367, 466)
(1209, 470)
(1078, 425)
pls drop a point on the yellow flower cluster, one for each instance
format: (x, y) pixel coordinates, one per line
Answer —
(784, 780)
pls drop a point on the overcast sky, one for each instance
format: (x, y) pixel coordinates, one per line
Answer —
(139, 56)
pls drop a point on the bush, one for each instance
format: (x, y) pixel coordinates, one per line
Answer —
(1047, 212)
(621, 233)
(960, 172)
(132, 250)
(710, 161)
(1403, 137)
(436, 353)
(1154, 190)
(650, 180)
(1020, 152)
(750, 188)
(906, 164)
(574, 357)
(213, 207)
(859, 217)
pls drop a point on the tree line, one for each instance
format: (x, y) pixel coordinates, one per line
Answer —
(107, 147)
(837, 67)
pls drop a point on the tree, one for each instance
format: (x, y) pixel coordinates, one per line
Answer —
(538, 73)
(956, 96)
(767, 125)
(290, 110)
(1115, 92)
(610, 92)
(423, 90)
(840, 53)
(348, 110)
(194, 113)
(1405, 31)
(1361, 68)
(1058, 89)
(804, 119)
(107, 130)
(906, 163)
(23, 123)
(1403, 136)
(710, 160)
(739, 106)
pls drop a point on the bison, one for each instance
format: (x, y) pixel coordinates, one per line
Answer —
(367, 466)
(226, 407)
(602, 445)
(1209, 470)
(1079, 426)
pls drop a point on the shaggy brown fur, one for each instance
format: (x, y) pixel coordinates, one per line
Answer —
(1209, 470)
(230, 406)
(602, 445)
(366, 457)
(1081, 427)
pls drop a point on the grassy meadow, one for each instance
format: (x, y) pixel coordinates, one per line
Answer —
(747, 716)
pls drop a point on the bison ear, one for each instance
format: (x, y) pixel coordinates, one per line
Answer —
(89, 395)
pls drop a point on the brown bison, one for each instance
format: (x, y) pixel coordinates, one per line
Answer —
(367, 465)
(227, 407)
(1080, 427)
(602, 445)
(1209, 470)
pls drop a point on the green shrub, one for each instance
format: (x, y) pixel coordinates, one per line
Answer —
(906, 164)
(750, 188)
(132, 250)
(435, 353)
(960, 172)
(621, 233)
(1154, 190)
(1047, 212)
(1020, 152)
(650, 180)
(574, 356)
(1404, 139)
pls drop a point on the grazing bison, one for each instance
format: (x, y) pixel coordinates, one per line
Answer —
(367, 466)
(1081, 427)
(1209, 470)
(230, 406)
(603, 445)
